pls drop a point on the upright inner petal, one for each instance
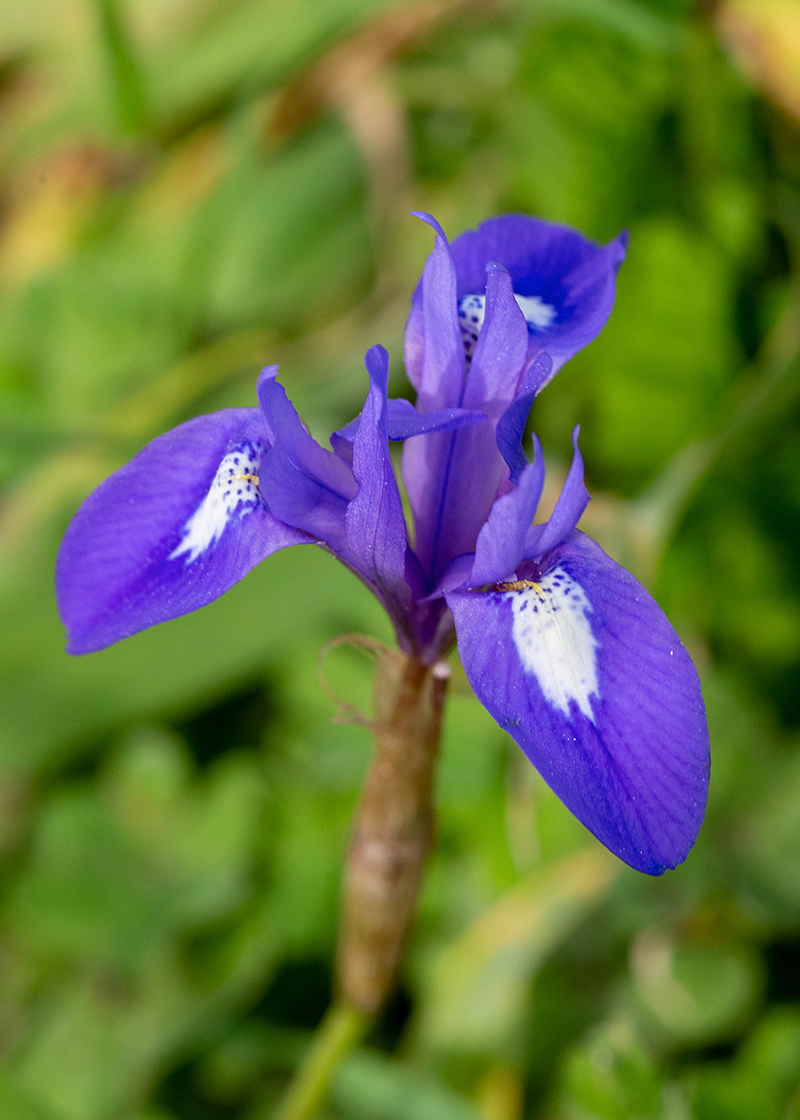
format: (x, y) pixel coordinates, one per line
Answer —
(233, 489)
(472, 308)
(553, 636)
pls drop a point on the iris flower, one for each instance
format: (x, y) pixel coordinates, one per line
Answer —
(566, 650)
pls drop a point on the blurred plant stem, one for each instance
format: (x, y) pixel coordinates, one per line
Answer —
(391, 839)
(339, 1031)
(126, 76)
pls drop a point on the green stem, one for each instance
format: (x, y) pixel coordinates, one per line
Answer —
(339, 1032)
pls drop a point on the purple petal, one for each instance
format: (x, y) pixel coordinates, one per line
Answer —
(502, 539)
(565, 281)
(553, 289)
(456, 575)
(169, 532)
(452, 481)
(572, 501)
(375, 525)
(403, 421)
(304, 485)
(414, 338)
(501, 351)
(511, 425)
(437, 366)
(580, 665)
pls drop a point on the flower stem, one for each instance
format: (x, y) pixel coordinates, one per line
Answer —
(391, 838)
(393, 829)
(339, 1031)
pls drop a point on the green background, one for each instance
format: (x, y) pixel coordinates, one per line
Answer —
(190, 189)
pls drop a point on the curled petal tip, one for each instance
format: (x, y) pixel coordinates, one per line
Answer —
(268, 373)
(620, 244)
(431, 221)
(376, 360)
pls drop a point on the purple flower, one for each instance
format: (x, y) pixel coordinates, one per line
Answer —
(563, 647)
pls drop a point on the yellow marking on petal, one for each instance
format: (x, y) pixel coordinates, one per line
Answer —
(224, 500)
(518, 585)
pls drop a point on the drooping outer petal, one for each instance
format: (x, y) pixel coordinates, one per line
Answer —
(580, 665)
(570, 278)
(169, 532)
(375, 525)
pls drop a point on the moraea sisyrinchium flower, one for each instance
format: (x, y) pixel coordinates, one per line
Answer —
(563, 647)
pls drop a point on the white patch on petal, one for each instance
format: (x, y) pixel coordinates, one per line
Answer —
(538, 314)
(235, 487)
(472, 309)
(554, 640)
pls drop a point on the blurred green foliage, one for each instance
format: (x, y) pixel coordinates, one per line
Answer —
(191, 189)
